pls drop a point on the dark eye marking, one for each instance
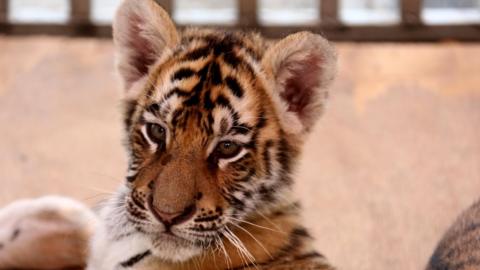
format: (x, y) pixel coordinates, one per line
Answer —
(234, 86)
(135, 259)
(183, 73)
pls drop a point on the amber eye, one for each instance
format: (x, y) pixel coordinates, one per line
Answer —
(227, 149)
(156, 133)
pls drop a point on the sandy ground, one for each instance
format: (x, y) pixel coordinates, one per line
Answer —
(393, 161)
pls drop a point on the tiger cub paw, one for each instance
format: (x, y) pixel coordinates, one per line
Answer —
(50, 232)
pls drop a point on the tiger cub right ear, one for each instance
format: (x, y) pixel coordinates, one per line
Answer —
(302, 67)
(142, 31)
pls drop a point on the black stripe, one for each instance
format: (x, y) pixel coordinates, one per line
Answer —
(232, 60)
(175, 91)
(235, 62)
(153, 108)
(240, 129)
(224, 45)
(183, 73)
(252, 53)
(309, 256)
(215, 74)
(197, 54)
(236, 203)
(267, 193)
(207, 101)
(129, 109)
(267, 159)
(175, 117)
(296, 239)
(194, 99)
(223, 102)
(207, 218)
(302, 232)
(139, 139)
(203, 72)
(135, 259)
(137, 201)
(234, 86)
(284, 155)
(262, 121)
(131, 178)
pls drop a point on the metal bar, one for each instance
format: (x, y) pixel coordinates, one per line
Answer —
(167, 5)
(247, 13)
(79, 17)
(3, 11)
(399, 33)
(329, 13)
(411, 12)
(79, 11)
(55, 29)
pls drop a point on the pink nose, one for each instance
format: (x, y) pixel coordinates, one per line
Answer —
(169, 219)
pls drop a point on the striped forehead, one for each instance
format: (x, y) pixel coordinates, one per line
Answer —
(201, 82)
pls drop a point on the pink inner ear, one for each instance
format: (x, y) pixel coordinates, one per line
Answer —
(142, 52)
(301, 84)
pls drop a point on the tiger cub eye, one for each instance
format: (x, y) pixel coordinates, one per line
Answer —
(156, 133)
(227, 149)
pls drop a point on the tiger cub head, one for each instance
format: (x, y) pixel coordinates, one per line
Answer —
(214, 120)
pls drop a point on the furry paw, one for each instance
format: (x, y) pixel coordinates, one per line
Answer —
(46, 233)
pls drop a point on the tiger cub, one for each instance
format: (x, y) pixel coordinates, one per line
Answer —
(459, 248)
(214, 124)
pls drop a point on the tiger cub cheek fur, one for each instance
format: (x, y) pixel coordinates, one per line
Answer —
(200, 88)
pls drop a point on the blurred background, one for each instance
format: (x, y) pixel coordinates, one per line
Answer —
(394, 160)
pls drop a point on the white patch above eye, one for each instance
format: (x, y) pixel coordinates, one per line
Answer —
(240, 138)
(222, 163)
(221, 116)
(151, 118)
(153, 145)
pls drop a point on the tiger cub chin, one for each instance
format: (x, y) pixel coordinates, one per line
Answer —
(214, 125)
(459, 248)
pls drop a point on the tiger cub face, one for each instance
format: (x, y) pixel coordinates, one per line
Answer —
(214, 123)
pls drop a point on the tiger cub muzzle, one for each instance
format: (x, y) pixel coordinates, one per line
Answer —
(181, 188)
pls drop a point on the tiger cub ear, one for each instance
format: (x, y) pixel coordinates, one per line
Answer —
(142, 31)
(303, 66)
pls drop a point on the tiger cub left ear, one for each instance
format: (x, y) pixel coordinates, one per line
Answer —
(142, 32)
(303, 66)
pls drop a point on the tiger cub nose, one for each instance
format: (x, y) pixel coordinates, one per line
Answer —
(169, 219)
